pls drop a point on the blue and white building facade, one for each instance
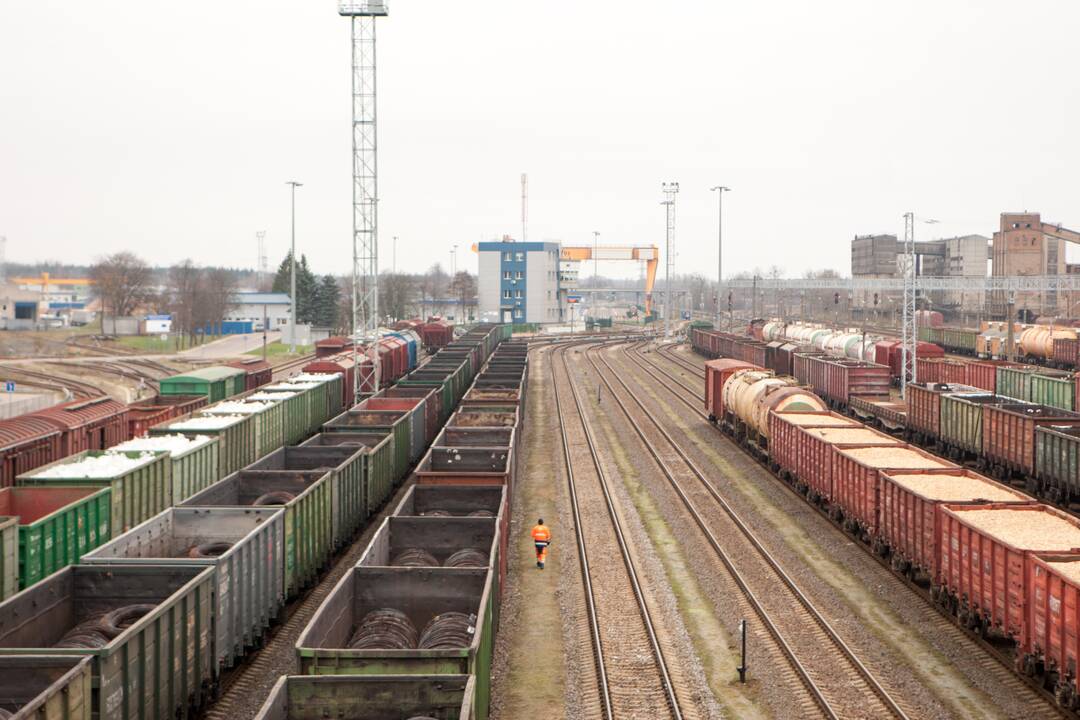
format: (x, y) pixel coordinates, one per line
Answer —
(519, 281)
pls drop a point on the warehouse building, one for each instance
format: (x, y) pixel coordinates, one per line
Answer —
(518, 282)
(253, 306)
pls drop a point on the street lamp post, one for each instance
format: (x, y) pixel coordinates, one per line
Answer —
(595, 256)
(292, 281)
(719, 190)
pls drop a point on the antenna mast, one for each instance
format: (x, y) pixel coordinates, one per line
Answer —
(365, 246)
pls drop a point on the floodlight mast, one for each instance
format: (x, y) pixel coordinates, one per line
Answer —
(365, 246)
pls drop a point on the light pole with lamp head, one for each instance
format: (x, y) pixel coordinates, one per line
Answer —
(292, 280)
(719, 190)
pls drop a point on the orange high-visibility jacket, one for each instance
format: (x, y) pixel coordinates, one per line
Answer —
(540, 533)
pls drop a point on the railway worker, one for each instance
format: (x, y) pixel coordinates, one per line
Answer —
(541, 536)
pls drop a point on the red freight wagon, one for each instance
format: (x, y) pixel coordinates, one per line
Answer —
(1065, 352)
(26, 443)
(940, 370)
(432, 405)
(144, 414)
(436, 334)
(784, 429)
(983, 373)
(257, 372)
(717, 373)
(343, 364)
(94, 424)
(809, 370)
(986, 562)
(880, 412)
(750, 351)
(1054, 603)
(891, 353)
(785, 359)
(855, 478)
(1008, 439)
(847, 378)
(910, 516)
(924, 407)
(815, 448)
(333, 345)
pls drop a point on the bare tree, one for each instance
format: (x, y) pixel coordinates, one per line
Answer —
(122, 281)
(396, 291)
(215, 299)
(182, 291)
(463, 287)
(433, 284)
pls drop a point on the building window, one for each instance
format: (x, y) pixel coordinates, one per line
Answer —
(518, 294)
(520, 275)
(506, 275)
(520, 257)
(507, 257)
(518, 313)
(506, 294)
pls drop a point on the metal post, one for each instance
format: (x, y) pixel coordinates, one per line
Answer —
(595, 257)
(719, 190)
(670, 191)
(393, 257)
(742, 664)
(264, 332)
(1010, 339)
(292, 278)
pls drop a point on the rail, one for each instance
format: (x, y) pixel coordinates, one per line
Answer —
(993, 659)
(876, 691)
(609, 701)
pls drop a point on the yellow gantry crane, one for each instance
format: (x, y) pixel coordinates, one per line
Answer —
(649, 254)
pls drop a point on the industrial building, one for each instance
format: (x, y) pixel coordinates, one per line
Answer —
(1025, 245)
(254, 306)
(518, 282)
(881, 256)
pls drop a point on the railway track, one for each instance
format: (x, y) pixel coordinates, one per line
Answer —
(833, 680)
(993, 660)
(282, 371)
(632, 673)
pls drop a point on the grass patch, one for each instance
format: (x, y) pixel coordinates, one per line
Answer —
(154, 343)
(279, 349)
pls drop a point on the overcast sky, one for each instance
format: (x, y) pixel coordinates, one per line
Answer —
(171, 128)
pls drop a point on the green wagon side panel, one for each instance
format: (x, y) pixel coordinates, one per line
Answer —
(1057, 460)
(61, 538)
(136, 496)
(195, 471)
(1058, 392)
(1014, 383)
(9, 556)
(961, 423)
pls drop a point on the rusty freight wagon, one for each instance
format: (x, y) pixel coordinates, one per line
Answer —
(26, 442)
(94, 424)
(145, 414)
(1054, 643)
(1009, 435)
(924, 408)
(717, 372)
(911, 505)
(816, 447)
(856, 480)
(784, 428)
(986, 565)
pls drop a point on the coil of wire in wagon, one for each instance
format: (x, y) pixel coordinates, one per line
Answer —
(448, 630)
(384, 629)
(467, 558)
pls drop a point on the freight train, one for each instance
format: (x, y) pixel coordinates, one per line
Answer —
(202, 531)
(934, 520)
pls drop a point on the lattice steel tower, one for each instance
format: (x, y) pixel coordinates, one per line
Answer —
(670, 189)
(908, 334)
(365, 275)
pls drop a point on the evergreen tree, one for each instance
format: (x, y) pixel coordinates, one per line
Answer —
(306, 285)
(327, 299)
